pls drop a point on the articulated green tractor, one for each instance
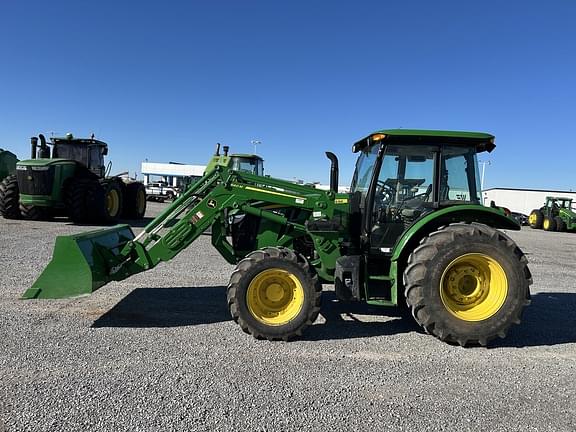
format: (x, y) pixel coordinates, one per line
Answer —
(69, 180)
(411, 229)
(555, 215)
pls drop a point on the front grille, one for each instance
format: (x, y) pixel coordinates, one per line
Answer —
(35, 180)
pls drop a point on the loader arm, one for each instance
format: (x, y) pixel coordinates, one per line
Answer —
(91, 260)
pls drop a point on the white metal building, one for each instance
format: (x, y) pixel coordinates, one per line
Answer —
(522, 200)
(171, 173)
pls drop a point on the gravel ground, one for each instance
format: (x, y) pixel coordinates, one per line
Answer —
(159, 352)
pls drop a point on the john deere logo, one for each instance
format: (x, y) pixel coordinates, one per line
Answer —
(211, 203)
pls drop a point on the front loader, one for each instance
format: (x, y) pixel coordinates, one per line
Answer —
(411, 229)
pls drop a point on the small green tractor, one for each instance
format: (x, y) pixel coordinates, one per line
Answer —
(8, 162)
(69, 180)
(411, 229)
(556, 215)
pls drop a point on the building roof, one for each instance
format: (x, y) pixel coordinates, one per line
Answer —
(530, 190)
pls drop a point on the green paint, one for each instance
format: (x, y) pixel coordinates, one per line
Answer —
(274, 212)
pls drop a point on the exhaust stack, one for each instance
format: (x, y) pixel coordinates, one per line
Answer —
(44, 149)
(34, 143)
(333, 171)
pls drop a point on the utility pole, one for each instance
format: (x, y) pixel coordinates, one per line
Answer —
(255, 143)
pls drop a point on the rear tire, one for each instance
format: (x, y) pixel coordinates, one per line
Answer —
(549, 224)
(135, 201)
(467, 284)
(274, 294)
(560, 224)
(9, 198)
(109, 202)
(536, 219)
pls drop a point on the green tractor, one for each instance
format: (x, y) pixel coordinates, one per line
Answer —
(555, 215)
(8, 162)
(69, 180)
(412, 229)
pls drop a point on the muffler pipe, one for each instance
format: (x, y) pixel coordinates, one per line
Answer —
(44, 149)
(333, 171)
(34, 143)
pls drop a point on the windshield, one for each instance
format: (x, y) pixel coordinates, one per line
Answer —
(364, 168)
(253, 166)
(77, 153)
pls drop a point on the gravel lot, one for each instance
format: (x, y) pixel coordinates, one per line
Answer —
(159, 352)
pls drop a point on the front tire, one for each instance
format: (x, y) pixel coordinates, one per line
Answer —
(274, 294)
(9, 198)
(36, 213)
(467, 284)
(79, 194)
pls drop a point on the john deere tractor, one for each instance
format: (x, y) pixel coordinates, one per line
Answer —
(412, 229)
(69, 180)
(555, 215)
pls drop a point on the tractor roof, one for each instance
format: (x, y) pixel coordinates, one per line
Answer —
(78, 141)
(247, 156)
(481, 141)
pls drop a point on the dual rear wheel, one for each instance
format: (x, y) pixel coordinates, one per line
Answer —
(538, 220)
(93, 201)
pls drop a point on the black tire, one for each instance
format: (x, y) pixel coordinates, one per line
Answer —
(290, 265)
(37, 213)
(109, 202)
(9, 198)
(444, 253)
(549, 224)
(134, 201)
(78, 195)
(560, 224)
(536, 219)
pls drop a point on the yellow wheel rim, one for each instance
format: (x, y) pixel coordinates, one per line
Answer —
(473, 287)
(141, 201)
(275, 297)
(112, 202)
(532, 219)
(546, 224)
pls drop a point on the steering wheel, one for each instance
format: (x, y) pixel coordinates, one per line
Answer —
(384, 193)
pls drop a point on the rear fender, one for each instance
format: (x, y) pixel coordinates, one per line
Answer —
(461, 213)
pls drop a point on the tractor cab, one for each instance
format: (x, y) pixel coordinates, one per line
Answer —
(402, 175)
(87, 151)
(558, 203)
(249, 163)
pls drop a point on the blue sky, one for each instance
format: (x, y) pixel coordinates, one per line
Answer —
(165, 81)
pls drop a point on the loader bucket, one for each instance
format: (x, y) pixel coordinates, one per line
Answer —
(81, 263)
